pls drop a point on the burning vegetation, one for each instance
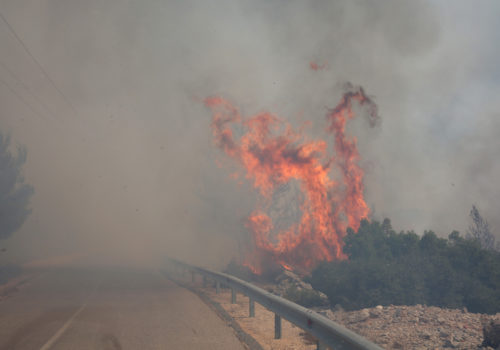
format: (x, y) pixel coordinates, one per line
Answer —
(274, 154)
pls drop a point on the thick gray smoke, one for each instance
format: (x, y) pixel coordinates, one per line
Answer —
(124, 163)
(14, 193)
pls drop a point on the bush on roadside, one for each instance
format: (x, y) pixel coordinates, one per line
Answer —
(385, 267)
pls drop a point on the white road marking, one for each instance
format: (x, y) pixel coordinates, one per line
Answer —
(61, 330)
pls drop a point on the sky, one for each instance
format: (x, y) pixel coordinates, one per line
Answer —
(119, 146)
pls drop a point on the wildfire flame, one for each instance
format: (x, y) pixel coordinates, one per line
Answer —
(273, 153)
(317, 66)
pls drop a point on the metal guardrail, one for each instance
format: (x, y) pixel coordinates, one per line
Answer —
(326, 331)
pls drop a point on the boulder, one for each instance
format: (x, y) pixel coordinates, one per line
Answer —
(359, 316)
(289, 284)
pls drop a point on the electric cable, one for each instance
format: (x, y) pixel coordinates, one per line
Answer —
(13, 32)
(23, 100)
(28, 89)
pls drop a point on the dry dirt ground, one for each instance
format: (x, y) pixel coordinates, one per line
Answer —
(260, 327)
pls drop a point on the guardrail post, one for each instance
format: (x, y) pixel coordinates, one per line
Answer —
(204, 281)
(328, 334)
(233, 296)
(217, 287)
(277, 326)
(251, 307)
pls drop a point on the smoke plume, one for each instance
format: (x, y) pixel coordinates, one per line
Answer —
(122, 158)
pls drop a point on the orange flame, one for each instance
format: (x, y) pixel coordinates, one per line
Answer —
(273, 154)
(316, 66)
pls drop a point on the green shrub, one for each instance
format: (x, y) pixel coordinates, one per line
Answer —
(386, 267)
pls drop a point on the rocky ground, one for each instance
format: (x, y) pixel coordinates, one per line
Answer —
(402, 327)
(391, 327)
(415, 327)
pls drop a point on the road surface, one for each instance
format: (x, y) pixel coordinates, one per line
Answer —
(109, 309)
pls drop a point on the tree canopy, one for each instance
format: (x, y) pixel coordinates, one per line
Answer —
(386, 267)
(15, 194)
(479, 230)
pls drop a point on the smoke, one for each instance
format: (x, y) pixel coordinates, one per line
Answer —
(134, 173)
(14, 194)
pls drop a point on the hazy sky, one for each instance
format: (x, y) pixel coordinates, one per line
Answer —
(124, 162)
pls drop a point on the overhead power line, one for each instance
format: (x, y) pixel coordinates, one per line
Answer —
(13, 32)
(22, 99)
(27, 88)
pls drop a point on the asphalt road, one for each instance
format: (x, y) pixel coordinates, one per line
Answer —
(109, 309)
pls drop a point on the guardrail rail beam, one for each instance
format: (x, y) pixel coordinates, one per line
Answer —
(328, 333)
